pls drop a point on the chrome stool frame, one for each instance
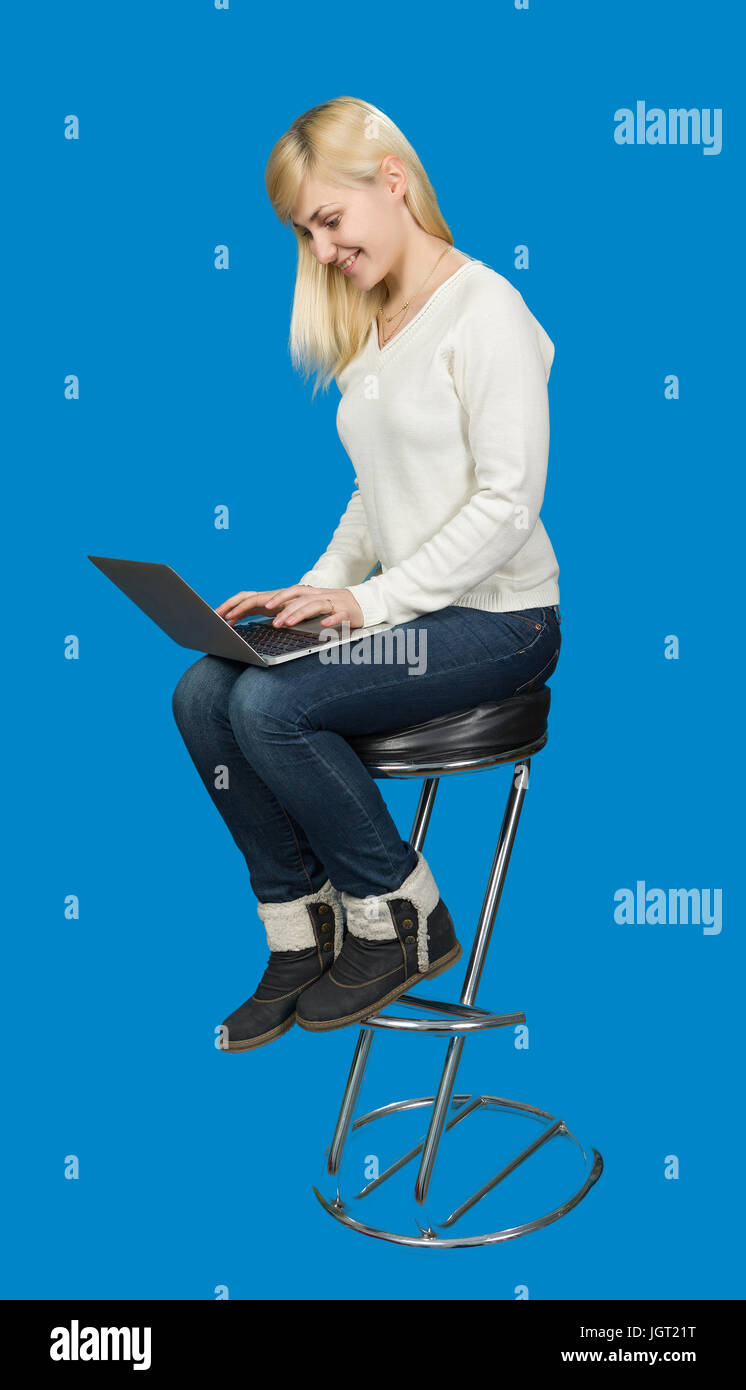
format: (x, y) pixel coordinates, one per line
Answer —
(456, 1022)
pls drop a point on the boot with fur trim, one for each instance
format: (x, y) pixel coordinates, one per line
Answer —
(392, 941)
(304, 938)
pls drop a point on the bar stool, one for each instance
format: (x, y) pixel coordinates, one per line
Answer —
(469, 740)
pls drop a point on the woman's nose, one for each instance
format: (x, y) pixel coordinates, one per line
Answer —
(325, 254)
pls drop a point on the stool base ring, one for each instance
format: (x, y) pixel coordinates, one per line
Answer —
(428, 1238)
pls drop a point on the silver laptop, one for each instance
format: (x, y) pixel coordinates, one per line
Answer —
(187, 618)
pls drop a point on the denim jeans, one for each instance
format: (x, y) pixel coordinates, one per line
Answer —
(270, 743)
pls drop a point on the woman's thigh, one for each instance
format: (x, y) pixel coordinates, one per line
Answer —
(443, 661)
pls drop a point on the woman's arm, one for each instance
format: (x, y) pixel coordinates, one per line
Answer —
(500, 377)
(350, 554)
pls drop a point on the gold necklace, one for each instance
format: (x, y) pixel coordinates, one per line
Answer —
(388, 318)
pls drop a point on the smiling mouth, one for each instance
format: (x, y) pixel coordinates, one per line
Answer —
(350, 262)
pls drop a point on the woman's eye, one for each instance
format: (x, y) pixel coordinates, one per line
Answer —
(333, 223)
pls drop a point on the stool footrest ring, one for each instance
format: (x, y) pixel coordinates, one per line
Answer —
(467, 1018)
(428, 1237)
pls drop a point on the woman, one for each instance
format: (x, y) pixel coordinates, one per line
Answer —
(443, 372)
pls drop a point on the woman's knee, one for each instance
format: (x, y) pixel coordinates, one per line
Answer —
(198, 686)
(258, 703)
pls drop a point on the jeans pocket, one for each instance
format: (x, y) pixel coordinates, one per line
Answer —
(525, 623)
(541, 676)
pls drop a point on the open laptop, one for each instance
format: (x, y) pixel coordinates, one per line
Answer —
(187, 618)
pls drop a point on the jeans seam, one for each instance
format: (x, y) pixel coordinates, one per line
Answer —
(330, 767)
(546, 667)
(226, 724)
(222, 720)
(523, 619)
(291, 827)
(434, 675)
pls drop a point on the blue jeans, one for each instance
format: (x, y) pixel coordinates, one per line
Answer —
(269, 743)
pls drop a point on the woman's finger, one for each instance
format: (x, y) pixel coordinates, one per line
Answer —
(296, 609)
(247, 601)
(281, 595)
(234, 599)
(293, 609)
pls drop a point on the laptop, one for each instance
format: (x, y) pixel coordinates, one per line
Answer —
(189, 620)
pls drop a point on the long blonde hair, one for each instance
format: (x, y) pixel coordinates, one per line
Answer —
(342, 141)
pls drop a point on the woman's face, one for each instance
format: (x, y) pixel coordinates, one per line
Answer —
(362, 222)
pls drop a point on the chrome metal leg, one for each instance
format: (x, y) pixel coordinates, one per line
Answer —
(365, 1036)
(518, 787)
(349, 1100)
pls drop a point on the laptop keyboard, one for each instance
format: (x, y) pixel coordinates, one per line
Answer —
(277, 641)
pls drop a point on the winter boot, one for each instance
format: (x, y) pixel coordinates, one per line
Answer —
(392, 941)
(304, 938)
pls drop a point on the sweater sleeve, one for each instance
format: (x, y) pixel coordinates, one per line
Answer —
(350, 554)
(500, 377)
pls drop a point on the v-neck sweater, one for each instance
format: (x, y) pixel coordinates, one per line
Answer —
(447, 428)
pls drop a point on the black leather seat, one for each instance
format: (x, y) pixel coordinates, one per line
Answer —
(496, 728)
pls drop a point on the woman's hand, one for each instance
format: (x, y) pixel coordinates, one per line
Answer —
(246, 602)
(292, 605)
(302, 601)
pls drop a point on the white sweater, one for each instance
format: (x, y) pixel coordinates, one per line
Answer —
(447, 428)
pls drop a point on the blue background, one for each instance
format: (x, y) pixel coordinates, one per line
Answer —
(196, 1168)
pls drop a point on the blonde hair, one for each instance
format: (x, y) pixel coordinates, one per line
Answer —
(342, 141)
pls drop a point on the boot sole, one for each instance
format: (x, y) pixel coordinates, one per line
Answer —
(438, 967)
(245, 1044)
